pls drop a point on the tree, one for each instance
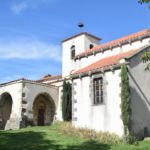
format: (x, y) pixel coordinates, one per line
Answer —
(146, 58)
(67, 101)
(144, 2)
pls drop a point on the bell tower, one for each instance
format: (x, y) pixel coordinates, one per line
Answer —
(73, 46)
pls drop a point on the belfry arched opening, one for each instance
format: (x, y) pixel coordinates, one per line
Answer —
(43, 110)
(5, 109)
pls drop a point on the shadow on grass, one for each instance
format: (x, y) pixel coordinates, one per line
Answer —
(89, 145)
(31, 140)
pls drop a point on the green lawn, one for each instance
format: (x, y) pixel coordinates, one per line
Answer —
(49, 138)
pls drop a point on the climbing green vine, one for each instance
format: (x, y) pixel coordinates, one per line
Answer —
(125, 106)
(125, 98)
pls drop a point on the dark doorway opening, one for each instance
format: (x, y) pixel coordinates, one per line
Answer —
(41, 116)
(5, 109)
(43, 110)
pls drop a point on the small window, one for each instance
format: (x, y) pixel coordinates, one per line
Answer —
(91, 46)
(72, 52)
(98, 90)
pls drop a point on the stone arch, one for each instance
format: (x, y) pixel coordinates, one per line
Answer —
(5, 109)
(43, 109)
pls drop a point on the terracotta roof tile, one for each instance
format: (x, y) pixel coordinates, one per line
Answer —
(117, 41)
(49, 78)
(105, 62)
(25, 80)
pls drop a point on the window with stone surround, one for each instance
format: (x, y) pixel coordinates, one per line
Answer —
(98, 90)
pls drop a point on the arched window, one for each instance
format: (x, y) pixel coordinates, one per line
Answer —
(91, 46)
(72, 51)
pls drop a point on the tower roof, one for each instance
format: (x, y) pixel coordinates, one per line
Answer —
(82, 33)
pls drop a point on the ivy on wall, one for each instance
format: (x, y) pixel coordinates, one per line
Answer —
(67, 101)
(125, 106)
(125, 100)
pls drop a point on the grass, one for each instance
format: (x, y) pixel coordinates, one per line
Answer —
(89, 134)
(50, 138)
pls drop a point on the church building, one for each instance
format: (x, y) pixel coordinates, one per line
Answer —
(94, 70)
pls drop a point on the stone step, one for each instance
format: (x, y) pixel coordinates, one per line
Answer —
(147, 138)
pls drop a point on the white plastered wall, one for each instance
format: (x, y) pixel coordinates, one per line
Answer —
(33, 90)
(15, 91)
(27, 91)
(59, 106)
(102, 117)
(81, 43)
(83, 62)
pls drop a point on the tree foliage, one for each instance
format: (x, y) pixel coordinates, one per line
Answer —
(146, 58)
(67, 101)
(144, 2)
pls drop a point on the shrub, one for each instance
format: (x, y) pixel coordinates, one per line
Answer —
(89, 134)
(67, 101)
(132, 139)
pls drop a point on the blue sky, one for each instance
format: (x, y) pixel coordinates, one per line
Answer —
(31, 31)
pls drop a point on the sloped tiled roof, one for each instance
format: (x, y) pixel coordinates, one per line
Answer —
(117, 42)
(49, 78)
(26, 81)
(105, 62)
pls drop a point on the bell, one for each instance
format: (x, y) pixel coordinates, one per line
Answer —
(80, 25)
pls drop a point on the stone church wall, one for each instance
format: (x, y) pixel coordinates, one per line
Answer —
(85, 61)
(102, 117)
(15, 91)
(140, 96)
(31, 91)
(23, 94)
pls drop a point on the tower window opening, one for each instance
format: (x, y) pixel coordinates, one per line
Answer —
(72, 52)
(91, 46)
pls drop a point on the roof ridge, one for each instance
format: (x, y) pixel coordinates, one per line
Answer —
(52, 77)
(106, 61)
(116, 41)
(25, 80)
(76, 35)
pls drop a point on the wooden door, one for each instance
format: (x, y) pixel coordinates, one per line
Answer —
(41, 116)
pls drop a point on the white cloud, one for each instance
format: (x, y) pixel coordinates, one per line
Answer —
(29, 49)
(18, 7)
